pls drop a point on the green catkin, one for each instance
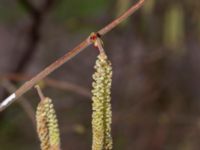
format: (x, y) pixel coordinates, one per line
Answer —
(48, 127)
(101, 117)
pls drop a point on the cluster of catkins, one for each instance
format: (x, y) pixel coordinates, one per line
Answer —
(47, 126)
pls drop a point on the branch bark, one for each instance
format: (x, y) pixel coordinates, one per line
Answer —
(87, 42)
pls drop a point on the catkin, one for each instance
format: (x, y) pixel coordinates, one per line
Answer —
(47, 126)
(101, 116)
(42, 127)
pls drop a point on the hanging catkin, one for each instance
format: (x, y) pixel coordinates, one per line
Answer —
(47, 126)
(101, 117)
(42, 127)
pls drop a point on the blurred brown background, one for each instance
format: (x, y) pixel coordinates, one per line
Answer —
(156, 63)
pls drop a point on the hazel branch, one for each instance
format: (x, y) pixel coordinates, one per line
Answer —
(48, 70)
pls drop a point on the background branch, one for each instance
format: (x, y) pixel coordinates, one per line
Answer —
(60, 85)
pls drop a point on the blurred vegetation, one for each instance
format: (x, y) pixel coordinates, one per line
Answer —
(78, 9)
(6, 15)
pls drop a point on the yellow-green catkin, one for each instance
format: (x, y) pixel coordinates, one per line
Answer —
(42, 127)
(47, 125)
(101, 117)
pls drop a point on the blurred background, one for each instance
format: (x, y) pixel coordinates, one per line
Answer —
(156, 64)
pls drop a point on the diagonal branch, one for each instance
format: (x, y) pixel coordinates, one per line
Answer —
(87, 42)
(26, 106)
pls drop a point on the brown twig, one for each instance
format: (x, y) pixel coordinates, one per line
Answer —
(121, 18)
(37, 15)
(23, 101)
(87, 42)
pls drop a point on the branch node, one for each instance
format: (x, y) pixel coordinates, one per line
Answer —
(95, 38)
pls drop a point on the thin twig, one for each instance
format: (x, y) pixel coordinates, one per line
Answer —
(121, 18)
(23, 101)
(66, 86)
(87, 42)
(58, 84)
(41, 95)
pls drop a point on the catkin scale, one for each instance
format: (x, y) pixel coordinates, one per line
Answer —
(101, 116)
